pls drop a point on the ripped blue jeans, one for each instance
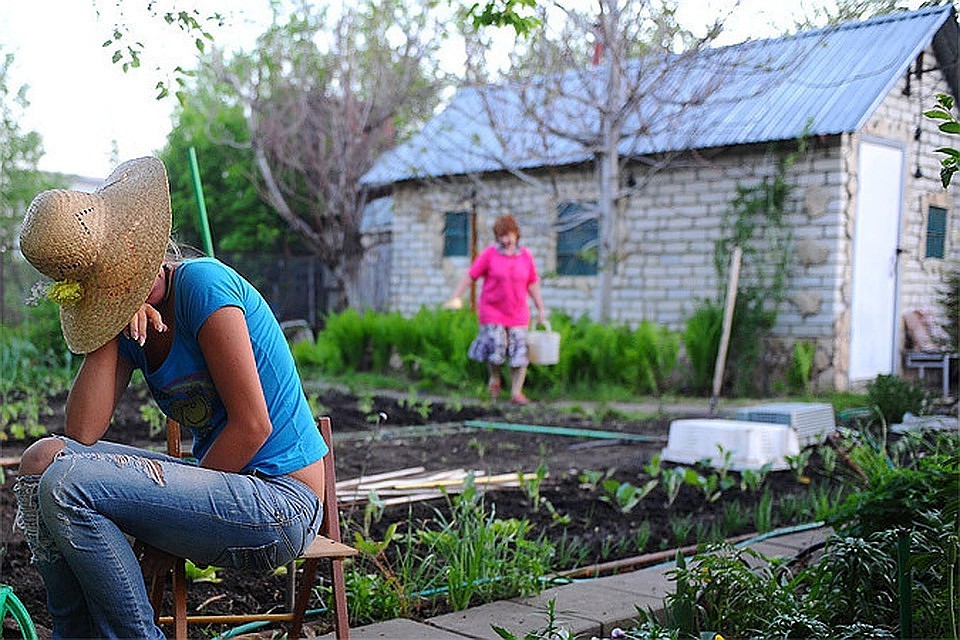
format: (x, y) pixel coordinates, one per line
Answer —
(78, 515)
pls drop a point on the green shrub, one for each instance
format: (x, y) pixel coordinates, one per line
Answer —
(801, 365)
(892, 495)
(429, 351)
(742, 371)
(33, 355)
(485, 558)
(701, 337)
(894, 397)
(718, 589)
(752, 323)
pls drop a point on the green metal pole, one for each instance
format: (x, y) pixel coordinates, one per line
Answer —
(201, 205)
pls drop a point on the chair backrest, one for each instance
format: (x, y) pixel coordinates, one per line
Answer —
(330, 526)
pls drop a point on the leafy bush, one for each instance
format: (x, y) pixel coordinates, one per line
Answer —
(34, 364)
(894, 396)
(907, 492)
(485, 558)
(33, 354)
(701, 337)
(751, 323)
(718, 589)
(801, 365)
(892, 495)
(430, 349)
(467, 557)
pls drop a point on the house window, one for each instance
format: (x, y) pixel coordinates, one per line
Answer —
(577, 239)
(456, 234)
(936, 231)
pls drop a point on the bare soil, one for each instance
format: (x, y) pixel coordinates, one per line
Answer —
(419, 432)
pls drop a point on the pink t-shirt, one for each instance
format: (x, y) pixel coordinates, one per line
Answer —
(503, 297)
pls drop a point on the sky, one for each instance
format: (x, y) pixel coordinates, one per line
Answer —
(88, 111)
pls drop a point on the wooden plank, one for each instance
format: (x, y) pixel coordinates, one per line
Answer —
(498, 479)
(379, 476)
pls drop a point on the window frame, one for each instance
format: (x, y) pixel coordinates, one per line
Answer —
(936, 239)
(577, 238)
(452, 240)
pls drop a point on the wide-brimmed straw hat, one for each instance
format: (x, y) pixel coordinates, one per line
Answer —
(102, 249)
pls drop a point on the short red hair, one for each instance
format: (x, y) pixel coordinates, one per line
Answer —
(505, 224)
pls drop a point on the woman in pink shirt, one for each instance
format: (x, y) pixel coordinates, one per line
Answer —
(509, 276)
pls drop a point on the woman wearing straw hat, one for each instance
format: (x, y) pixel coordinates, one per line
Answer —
(509, 276)
(214, 358)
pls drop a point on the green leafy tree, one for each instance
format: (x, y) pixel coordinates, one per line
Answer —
(20, 151)
(212, 123)
(505, 13)
(124, 42)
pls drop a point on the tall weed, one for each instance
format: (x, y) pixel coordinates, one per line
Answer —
(701, 337)
(801, 365)
(483, 557)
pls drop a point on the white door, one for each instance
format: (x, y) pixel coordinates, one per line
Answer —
(873, 321)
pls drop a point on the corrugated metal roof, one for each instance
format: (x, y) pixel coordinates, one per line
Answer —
(830, 80)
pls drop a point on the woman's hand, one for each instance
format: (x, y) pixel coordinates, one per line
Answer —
(146, 315)
(453, 304)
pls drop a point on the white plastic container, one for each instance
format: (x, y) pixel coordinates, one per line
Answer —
(811, 421)
(751, 444)
(543, 347)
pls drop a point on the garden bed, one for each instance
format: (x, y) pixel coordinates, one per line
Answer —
(568, 505)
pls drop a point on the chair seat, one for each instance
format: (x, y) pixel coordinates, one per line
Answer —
(323, 547)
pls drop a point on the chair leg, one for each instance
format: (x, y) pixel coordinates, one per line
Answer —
(340, 615)
(303, 596)
(180, 600)
(291, 585)
(341, 620)
(157, 586)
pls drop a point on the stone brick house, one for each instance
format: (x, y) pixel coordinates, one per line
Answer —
(873, 231)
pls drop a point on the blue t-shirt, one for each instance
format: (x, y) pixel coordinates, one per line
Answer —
(182, 386)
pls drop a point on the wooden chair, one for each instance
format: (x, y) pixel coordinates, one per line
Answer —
(327, 546)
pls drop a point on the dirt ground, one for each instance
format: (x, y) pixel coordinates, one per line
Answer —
(420, 433)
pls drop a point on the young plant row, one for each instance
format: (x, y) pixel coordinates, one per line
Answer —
(465, 555)
(889, 571)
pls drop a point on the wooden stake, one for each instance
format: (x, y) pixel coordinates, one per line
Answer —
(727, 324)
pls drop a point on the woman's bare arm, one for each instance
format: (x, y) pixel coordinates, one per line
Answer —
(225, 343)
(102, 379)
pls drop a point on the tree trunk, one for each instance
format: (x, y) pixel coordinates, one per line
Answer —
(609, 162)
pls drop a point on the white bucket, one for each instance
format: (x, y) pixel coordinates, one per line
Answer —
(543, 347)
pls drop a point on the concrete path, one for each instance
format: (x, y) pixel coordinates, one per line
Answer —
(585, 608)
